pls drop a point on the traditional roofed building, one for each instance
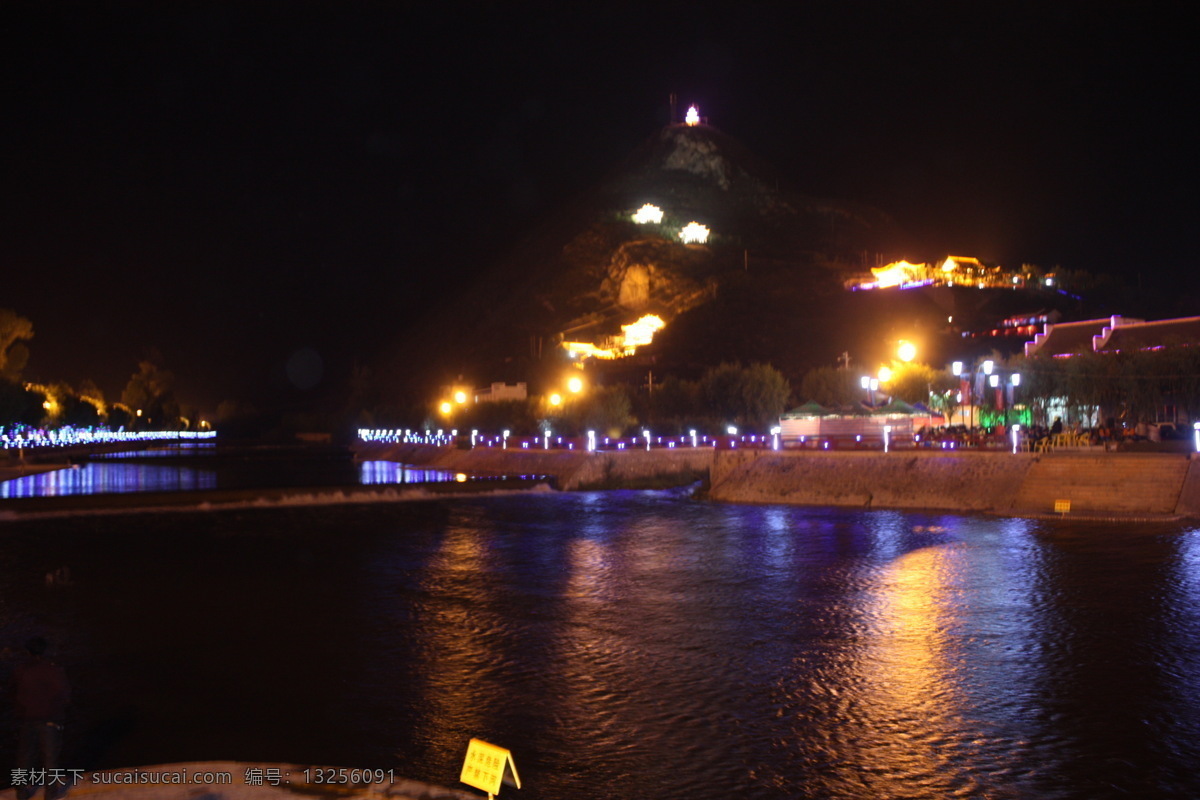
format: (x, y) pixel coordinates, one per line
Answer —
(1113, 335)
(1150, 335)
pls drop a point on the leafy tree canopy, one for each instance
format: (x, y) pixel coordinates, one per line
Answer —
(13, 355)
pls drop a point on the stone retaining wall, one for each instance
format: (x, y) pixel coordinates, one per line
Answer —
(997, 482)
(958, 481)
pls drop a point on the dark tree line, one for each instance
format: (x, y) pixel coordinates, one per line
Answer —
(1139, 386)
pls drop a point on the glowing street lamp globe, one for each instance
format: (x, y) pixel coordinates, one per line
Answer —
(575, 385)
(556, 399)
(907, 351)
(445, 407)
(460, 397)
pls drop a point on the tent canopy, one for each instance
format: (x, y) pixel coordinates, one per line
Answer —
(810, 409)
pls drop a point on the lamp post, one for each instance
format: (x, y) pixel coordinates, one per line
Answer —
(1000, 380)
(870, 385)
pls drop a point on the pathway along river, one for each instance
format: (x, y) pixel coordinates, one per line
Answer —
(628, 645)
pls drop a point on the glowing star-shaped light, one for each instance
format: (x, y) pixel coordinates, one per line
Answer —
(648, 213)
(694, 233)
(693, 116)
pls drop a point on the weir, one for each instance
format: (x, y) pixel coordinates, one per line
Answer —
(1092, 485)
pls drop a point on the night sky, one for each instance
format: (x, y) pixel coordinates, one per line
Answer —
(240, 189)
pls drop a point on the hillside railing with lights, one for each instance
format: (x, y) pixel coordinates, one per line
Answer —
(22, 438)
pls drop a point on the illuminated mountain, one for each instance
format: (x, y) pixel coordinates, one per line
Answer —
(772, 259)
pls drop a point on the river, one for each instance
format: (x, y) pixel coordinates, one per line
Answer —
(627, 644)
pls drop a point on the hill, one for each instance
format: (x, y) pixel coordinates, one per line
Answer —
(772, 262)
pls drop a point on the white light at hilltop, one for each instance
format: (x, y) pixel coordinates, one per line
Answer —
(694, 233)
(693, 116)
(648, 213)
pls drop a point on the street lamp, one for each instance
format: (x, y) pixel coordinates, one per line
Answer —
(870, 385)
(973, 379)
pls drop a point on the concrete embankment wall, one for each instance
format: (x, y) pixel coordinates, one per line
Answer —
(571, 469)
(1090, 483)
(1093, 483)
(962, 481)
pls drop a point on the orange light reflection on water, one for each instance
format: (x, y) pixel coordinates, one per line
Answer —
(904, 695)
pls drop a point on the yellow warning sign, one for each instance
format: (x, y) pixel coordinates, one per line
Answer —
(1062, 506)
(487, 765)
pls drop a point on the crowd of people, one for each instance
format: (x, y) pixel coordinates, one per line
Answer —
(1110, 431)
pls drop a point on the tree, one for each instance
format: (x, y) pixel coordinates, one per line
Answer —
(754, 396)
(721, 389)
(605, 409)
(13, 355)
(830, 386)
(915, 383)
(765, 394)
(18, 405)
(675, 405)
(150, 393)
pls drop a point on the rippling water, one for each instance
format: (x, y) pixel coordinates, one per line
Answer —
(631, 645)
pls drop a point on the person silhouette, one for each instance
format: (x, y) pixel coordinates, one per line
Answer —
(41, 698)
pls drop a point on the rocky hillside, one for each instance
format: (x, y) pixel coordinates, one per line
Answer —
(591, 268)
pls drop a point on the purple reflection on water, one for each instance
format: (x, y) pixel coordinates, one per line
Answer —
(376, 472)
(107, 478)
(173, 450)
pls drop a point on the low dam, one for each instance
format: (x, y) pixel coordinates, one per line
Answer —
(1084, 483)
(572, 469)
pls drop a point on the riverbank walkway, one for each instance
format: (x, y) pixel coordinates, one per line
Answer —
(237, 780)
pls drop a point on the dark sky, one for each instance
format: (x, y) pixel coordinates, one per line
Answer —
(243, 185)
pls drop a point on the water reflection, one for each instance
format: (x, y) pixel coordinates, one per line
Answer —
(462, 637)
(921, 676)
(113, 476)
(164, 451)
(1182, 611)
(379, 472)
(631, 644)
(105, 478)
